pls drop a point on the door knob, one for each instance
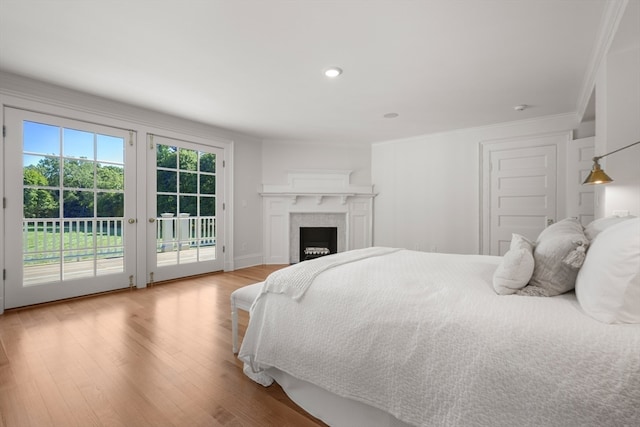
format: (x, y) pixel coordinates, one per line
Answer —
(152, 220)
(132, 221)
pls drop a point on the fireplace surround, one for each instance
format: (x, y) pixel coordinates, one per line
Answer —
(298, 220)
(317, 198)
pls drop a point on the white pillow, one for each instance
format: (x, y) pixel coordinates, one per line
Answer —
(596, 226)
(608, 284)
(551, 276)
(520, 242)
(516, 267)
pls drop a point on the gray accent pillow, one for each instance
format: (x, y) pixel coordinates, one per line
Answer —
(551, 276)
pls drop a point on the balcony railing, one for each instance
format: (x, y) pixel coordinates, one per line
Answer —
(45, 239)
(184, 232)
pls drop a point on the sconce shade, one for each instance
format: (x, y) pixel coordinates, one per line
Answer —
(597, 175)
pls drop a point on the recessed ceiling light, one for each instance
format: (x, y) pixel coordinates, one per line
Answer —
(333, 72)
(391, 115)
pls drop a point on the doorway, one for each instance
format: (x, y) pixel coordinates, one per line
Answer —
(70, 210)
(521, 187)
(186, 184)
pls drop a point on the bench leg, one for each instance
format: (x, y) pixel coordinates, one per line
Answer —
(234, 328)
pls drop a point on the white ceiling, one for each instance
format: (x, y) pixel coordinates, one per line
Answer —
(255, 66)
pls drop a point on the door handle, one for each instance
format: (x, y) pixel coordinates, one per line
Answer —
(152, 220)
(131, 221)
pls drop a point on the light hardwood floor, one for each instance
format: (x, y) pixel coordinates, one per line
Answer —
(159, 356)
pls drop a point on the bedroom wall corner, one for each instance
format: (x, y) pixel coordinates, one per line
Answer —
(623, 128)
(617, 113)
(248, 242)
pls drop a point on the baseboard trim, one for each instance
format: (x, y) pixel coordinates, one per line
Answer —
(245, 261)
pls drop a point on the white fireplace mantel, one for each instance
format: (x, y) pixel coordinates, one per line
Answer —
(315, 192)
(317, 184)
(319, 197)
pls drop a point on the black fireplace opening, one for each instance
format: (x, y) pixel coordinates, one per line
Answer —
(318, 241)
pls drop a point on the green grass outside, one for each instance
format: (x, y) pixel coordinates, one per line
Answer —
(40, 245)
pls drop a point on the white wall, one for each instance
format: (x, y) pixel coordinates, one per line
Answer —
(618, 125)
(429, 186)
(586, 129)
(280, 158)
(247, 204)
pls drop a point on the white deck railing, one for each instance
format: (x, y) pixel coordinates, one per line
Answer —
(182, 231)
(44, 238)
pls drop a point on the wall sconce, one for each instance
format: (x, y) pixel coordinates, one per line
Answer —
(597, 175)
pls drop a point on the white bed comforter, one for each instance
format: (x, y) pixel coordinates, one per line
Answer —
(425, 338)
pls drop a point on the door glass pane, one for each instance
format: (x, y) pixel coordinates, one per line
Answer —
(110, 262)
(186, 210)
(41, 138)
(78, 204)
(207, 162)
(188, 182)
(110, 246)
(188, 159)
(43, 266)
(166, 156)
(167, 181)
(61, 232)
(109, 149)
(189, 205)
(207, 184)
(78, 144)
(167, 204)
(78, 264)
(41, 171)
(109, 233)
(207, 241)
(110, 205)
(207, 252)
(109, 177)
(207, 206)
(78, 174)
(39, 203)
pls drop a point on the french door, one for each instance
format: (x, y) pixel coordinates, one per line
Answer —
(70, 212)
(185, 207)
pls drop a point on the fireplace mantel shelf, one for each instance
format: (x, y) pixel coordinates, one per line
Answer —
(318, 195)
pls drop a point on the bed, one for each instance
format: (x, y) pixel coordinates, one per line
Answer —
(393, 337)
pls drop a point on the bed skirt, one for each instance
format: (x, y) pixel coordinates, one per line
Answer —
(330, 408)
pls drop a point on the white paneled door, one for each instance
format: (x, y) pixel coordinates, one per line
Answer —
(70, 212)
(580, 198)
(520, 189)
(185, 183)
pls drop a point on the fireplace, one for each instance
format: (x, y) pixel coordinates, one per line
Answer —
(315, 199)
(318, 241)
(321, 223)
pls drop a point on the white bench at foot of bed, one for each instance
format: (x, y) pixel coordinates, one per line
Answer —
(242, 299)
